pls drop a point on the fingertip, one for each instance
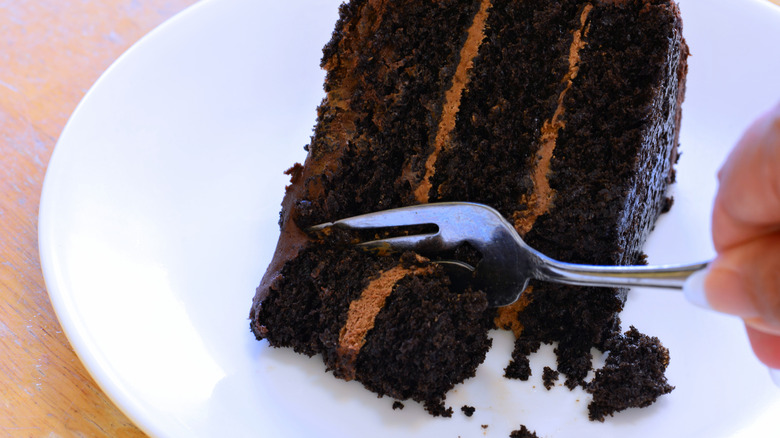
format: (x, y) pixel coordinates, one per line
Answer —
(766, 346)
(722, 289)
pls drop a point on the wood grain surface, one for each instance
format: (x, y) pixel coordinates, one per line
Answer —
(51, 52)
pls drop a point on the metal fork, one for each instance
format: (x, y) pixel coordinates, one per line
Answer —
(507, 263)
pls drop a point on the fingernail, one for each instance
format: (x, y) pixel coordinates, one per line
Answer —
(763, 326)
(775, 375)
(693, 289)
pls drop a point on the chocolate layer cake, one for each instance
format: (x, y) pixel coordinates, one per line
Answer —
(564, 116)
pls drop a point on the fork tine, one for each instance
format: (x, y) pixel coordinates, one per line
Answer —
(399, 217)
(415, 242)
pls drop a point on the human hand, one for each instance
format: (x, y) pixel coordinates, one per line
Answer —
(744, 278)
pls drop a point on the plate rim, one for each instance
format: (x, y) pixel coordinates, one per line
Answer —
(62, 302)
(78, 337)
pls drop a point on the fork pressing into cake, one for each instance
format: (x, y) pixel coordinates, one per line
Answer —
(507, 263)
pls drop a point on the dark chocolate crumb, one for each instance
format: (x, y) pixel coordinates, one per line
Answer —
(523, 432)
(549, 376)
(484, 426)
(667, 205)
(519, 367)
(397, 405)
(633, 375)
(468, 410)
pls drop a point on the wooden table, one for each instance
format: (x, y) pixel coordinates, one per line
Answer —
(50, 54)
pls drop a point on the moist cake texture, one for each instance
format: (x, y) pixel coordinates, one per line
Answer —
(564, 116)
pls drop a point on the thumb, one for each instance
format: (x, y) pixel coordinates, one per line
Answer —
(745, 281)
(748, 201)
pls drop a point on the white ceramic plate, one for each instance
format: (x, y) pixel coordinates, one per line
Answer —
(159, 211)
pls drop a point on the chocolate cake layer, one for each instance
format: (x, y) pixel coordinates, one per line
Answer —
(391, 323)
(515, 84)
(389, 66)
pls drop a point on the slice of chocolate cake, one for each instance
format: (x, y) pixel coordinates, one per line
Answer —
(564, 116)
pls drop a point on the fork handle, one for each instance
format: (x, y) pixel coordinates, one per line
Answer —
(660, 276)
